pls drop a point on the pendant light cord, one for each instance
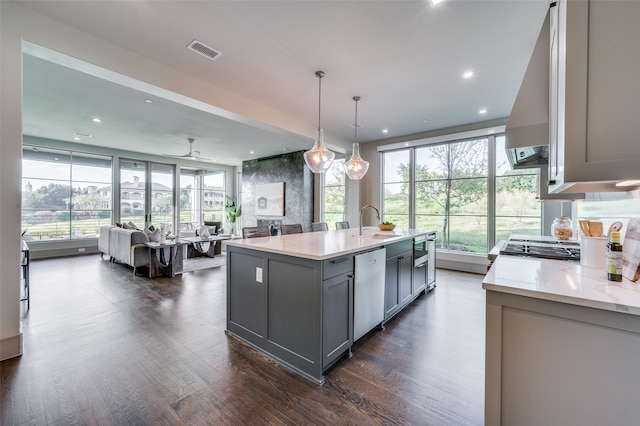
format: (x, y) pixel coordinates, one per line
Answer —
(320, 74)
(355, 125)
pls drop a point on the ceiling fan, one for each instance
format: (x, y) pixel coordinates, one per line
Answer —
(192, 155)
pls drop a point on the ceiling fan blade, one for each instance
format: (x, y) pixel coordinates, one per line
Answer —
(192, 155)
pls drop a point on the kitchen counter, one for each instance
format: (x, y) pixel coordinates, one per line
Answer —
(328, 244)
(562, 344)
(562, 281)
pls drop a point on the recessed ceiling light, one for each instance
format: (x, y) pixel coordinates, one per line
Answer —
(482, 111)
(96, 120)
(435, 2)
(467, 74)
(250, 152)
(76, 138)
(385, 130)
(148, 101)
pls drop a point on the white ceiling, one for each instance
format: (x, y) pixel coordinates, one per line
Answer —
(404, 58)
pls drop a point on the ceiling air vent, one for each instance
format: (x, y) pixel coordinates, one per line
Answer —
(203, 49)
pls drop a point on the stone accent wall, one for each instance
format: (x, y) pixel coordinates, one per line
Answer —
(298, 178)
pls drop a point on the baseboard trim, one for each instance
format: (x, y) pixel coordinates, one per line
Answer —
(10, 347)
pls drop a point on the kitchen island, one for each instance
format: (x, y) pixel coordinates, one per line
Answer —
(562, 344)
(292, 296)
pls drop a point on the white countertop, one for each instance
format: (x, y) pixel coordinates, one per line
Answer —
(562, 281)
(327, 244)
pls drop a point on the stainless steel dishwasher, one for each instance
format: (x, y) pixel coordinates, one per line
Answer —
(368, 299)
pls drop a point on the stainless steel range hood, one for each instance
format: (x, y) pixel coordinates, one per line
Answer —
(527, 130)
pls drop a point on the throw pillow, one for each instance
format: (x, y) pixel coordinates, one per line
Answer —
(152, 235)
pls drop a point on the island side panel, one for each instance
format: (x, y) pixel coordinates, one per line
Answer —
(246, 307)
(293, 316)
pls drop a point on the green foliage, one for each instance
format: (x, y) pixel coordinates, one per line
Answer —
(233, 211)
(51, 197)
(163, 203)
(63, 215)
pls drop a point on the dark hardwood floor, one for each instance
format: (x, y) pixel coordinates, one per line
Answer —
(102, 346)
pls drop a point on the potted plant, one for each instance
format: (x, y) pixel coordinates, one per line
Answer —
(234, 211)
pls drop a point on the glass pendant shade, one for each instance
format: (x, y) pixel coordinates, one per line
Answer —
(319, 158)
(356, 167)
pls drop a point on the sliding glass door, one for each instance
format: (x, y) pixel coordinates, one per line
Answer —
(202, 197)
(146, 194)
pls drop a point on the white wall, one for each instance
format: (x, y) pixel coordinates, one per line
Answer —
(10, 180)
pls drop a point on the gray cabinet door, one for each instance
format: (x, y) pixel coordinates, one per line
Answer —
(419, 278)
(405, 270)
(337, 317)
(398, 283)
(391, 300)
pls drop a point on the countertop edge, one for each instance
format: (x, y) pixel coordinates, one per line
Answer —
(367, 243)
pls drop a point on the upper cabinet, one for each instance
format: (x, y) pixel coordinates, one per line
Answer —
(594, 111)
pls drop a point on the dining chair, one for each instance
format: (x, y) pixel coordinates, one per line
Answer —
(319, 226)
(342, 225)
(290, 229)
(255, 231)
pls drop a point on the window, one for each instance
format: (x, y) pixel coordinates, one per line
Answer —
(202, 197)
(517, 209)
(607, 208)
(451, 193)
(454, 188)
(334, 193)
(63, 194)
(396, 187)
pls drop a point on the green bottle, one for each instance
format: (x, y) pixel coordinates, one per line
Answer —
(614, 257)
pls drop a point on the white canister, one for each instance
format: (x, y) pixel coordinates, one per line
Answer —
(593, 251)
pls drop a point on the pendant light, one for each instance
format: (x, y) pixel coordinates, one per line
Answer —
(356, 167)
(319, 158)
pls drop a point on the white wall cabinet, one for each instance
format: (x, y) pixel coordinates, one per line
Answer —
(594, 94)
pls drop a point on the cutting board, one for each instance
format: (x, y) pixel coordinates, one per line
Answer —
(631, 251)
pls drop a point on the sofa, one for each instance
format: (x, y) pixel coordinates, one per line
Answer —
(124, 246)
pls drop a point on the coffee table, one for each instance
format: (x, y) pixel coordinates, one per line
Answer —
(207, 246)
(162, 265)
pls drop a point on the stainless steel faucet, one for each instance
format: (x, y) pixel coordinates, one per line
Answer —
(362, 211)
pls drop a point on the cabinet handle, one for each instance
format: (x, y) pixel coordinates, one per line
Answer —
(400, 258)
(344, 259)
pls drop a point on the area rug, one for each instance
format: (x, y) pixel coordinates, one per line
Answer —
(197, 263)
